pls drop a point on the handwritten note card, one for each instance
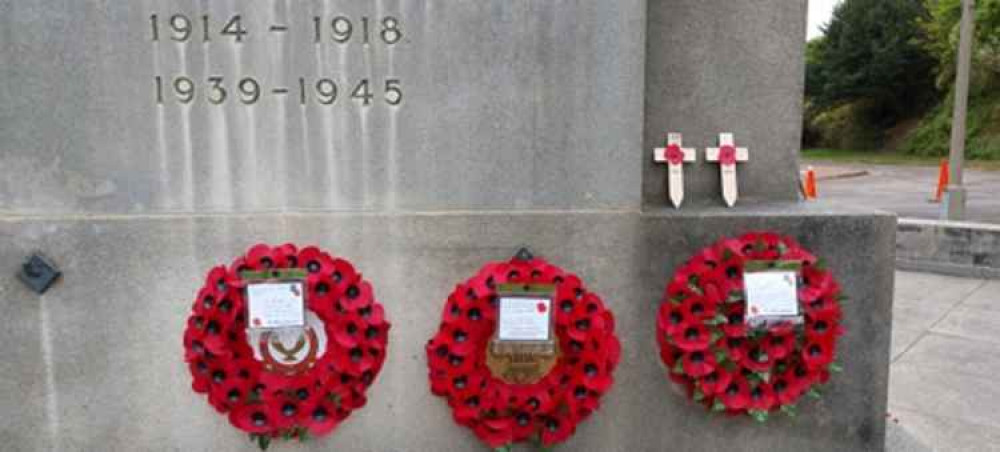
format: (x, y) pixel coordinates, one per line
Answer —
(771, 294)
(524, 319)
(276, 305)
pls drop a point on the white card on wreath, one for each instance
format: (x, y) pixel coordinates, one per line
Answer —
(524, 319)
(276, 305)
(771, 294)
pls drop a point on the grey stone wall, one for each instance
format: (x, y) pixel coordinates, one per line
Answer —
(726, 66)
(506, 105)
(99, 363)
(522, 122)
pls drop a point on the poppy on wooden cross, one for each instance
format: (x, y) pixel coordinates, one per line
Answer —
(675, 155)
(728, 155)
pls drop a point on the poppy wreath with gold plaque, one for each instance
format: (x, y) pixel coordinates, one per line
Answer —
(502, 412)
(725, 365)
(274, 385)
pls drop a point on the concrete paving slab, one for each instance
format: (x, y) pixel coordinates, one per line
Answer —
(903, 338)
(955, 354)
(946, 393)
(971, 323)
(944, 434)
(986, 297)
(919, 316)
(919, 287)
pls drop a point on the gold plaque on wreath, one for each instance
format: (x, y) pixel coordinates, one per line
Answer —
(524, 347)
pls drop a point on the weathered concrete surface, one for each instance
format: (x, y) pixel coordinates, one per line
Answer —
(725, 66)
(96, 363)
(506, 105)
(942, 382)
(948, 247)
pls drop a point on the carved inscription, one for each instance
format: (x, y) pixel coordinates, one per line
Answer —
(250, 89)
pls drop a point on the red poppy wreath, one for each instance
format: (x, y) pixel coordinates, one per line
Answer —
(280, 385)
(724, 364)
(547, 411)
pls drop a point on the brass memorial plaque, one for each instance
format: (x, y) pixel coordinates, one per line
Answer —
(524, 348)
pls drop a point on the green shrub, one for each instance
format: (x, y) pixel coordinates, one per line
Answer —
(849, 126)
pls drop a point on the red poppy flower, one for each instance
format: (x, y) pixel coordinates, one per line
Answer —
(357, 295)
(818, 353)
(496, 432)
(758, 360)
(736, 396)
(762, 397)
(229, 393)
(779, 342)
(557, 429)
(693, 337)
(698, 308)
(252, 418)
(349, 330)
(735, 325)
(201, 382)
(699, 364)
(593, 373)
(715, 383)
(320, 419)
(824, 326)
(671, 319)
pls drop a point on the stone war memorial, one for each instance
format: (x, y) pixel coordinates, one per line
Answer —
(426, 225)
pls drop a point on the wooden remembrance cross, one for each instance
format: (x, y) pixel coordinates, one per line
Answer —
(728, 155)
(675, 155)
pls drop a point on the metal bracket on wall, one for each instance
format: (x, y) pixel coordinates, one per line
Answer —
(524, 254)
(38, 273)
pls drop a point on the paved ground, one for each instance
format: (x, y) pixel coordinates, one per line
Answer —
(943, 388)
(906, 189)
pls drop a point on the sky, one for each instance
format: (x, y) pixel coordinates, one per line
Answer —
(819, 14)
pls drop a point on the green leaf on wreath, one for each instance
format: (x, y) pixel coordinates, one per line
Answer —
(719, 319)
(303, 435)
(263, 441)
(287, 435)
(782, 249)
(720, 356)
(698, 395)
(334, 398)
(735, 296)
(789, 410)
(718, 406)
(758, 415)
(760, 246)
(755, 378)
(677, 299)
(716, 335)
(813, 393)
(727, 254)
(764, 376)
(506, 448)
(820, 264)
(836, 368)
(678, 367)
(842, 298)
(547, 448)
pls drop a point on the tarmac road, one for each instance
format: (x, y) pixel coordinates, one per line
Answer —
(905, 190)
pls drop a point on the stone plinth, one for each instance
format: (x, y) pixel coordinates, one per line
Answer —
(97, 362)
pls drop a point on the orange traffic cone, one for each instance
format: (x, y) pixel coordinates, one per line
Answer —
(943, 175)
(810, 189)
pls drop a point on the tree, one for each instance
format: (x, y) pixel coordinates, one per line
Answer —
(941, 29)
(872, 52)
